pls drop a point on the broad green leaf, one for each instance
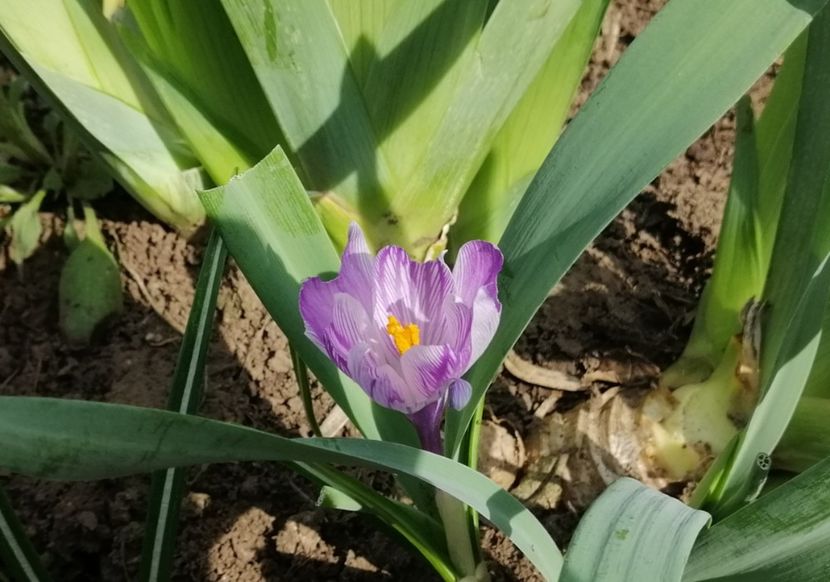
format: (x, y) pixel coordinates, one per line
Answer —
(424, 51)
(783, 536)
(65, 439)
(807, 439)
(69, 53)
(361, 26)
(298, 55)
(185, 396)
(749, 224)
(25, 229)
(775, 134)
(488, 91)
(798, 282)
(90, 286)
(819, 381)
(688, 67)
(528, 134)
(632, 533)
(739, 269)
(193, 56)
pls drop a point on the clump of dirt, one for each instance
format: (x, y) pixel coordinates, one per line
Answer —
(622, 312)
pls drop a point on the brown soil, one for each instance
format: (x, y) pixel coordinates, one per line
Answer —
(629, 297)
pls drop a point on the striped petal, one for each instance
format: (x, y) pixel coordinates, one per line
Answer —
(411, 291)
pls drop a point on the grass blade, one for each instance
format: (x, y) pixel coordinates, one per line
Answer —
(186, 395)
(631, 533)
(18, 555)
(66, 439)
(301, 372)
(698, 57)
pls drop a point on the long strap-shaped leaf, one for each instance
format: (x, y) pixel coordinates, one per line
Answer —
(18, 556)
(78, 64)
(633, 533)
(781, 537)
(798, 282)
(489, 90)
(70, 439)
(300, 60)
(185, 397)
(693, 61)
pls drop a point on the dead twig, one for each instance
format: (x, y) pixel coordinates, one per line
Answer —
(539, 376)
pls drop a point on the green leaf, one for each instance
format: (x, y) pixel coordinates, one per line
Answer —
(9, 173)
(528, 134)
(782, 536)
(195, 47)
(14, 126)
(807, 439)
(415, 68)
(90, 286)
(762, 160)
(194, 59)
(488, 91)
(185, 396)
(18, 555)
(300, 60)
(632, 533)
(65, 439)
(25, 229)
(798, 282)
(90, 180)
(10, 195)
(696, 58)
(75, 61)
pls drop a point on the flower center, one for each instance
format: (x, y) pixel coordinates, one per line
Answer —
(404, 336)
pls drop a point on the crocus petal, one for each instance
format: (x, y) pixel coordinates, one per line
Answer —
(355, 278)
(349, 326)
(429, 369)
(486, 314)
(475, 276)
(381, 381)
(459, 393)
(456, 332)
(477, 266)
(357, 268)
(413, 292)
(316, 301)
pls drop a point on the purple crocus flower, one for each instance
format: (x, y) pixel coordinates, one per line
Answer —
(406, 331)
